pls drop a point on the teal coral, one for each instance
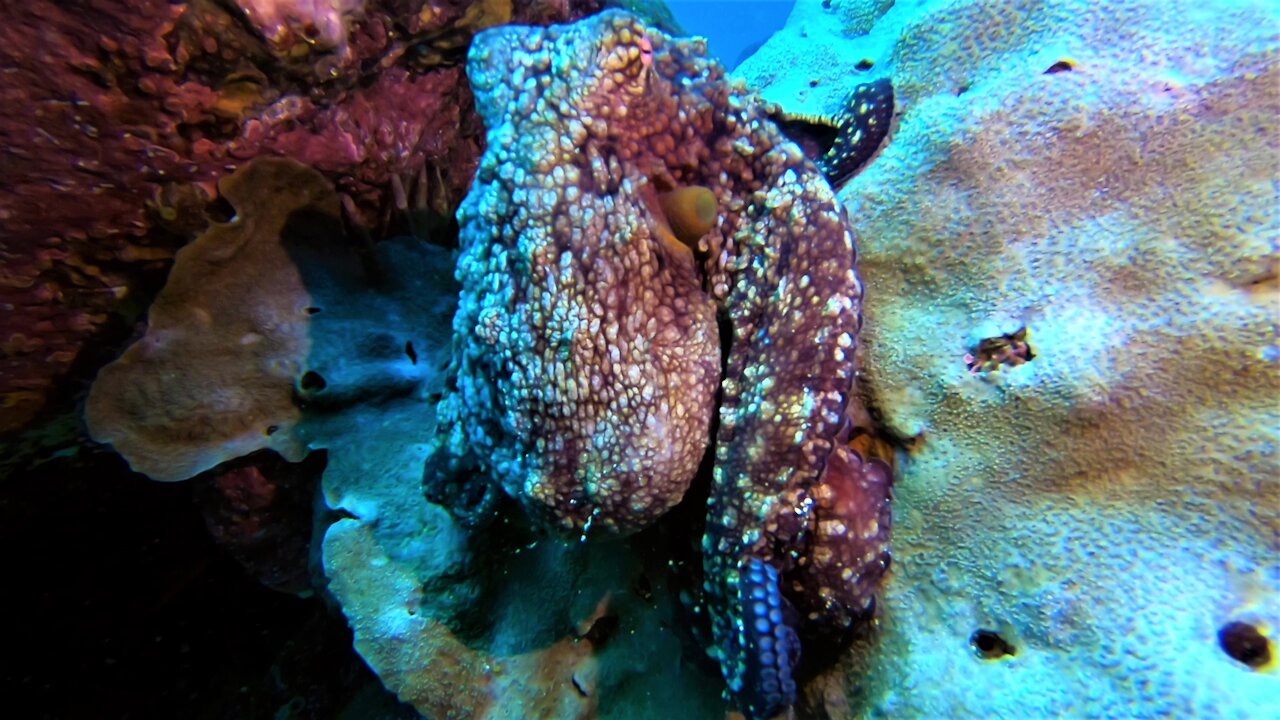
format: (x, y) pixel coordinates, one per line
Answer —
(588, 351)
(1103, 175)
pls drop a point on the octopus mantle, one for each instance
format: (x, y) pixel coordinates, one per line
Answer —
(591, 341)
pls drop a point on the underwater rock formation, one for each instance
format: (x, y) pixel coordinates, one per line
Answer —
(587, 349)
(117, 119)
(261, 511)
(227, 338)
(1070, 251)
(264, 321)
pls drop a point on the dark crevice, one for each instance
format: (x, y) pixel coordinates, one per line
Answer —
(989, 645)
(814, 138)
(601, 631)
(1245, 644)
(1008, 350)
(220, 210)
(312, 381)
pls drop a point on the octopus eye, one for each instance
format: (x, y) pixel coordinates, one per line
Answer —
(646, 51)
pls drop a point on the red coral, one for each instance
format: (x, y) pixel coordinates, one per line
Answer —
(260, 510)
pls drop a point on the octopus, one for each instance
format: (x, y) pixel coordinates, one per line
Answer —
(652, 273)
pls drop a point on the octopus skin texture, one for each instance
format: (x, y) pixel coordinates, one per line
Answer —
(593, 343)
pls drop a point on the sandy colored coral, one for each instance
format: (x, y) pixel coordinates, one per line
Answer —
(214, 377)
(1102, 175)
(268, 320)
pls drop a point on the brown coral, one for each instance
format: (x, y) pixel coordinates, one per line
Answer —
(214, 377)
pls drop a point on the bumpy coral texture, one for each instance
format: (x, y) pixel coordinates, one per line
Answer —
(1102, 175)
(588, 350)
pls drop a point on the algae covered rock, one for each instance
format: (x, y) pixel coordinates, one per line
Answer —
(1070, 252)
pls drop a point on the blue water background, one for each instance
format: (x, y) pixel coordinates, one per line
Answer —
(732, 27)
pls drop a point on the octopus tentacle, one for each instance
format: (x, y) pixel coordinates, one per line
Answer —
(766, 648)
(795, 315)
(861, 129)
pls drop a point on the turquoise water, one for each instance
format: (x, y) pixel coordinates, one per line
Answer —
(733, 28)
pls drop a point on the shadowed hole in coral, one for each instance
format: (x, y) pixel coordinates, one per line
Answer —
(643, 588)
(1245, 644)
(447, 50)
(962, 89)
(409, 351)
(220, 210)
(1008, 350)
(1060, 66)
(989, 645)
(814, 138)
(1263, 285)
(312, 381)
(864, 64)
(602, 630)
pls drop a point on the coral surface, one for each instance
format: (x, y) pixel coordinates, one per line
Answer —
(1070, 251)
(213, 378)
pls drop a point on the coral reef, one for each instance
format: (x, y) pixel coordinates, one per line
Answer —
(227, 338)
(117, 119)
(355, 348)
(264, 320)
(502, 627)
(1070, 251)
(587, 349)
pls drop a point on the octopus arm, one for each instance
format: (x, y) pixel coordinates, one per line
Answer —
(795, 313)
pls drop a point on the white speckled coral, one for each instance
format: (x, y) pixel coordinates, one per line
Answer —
(1105, 175)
